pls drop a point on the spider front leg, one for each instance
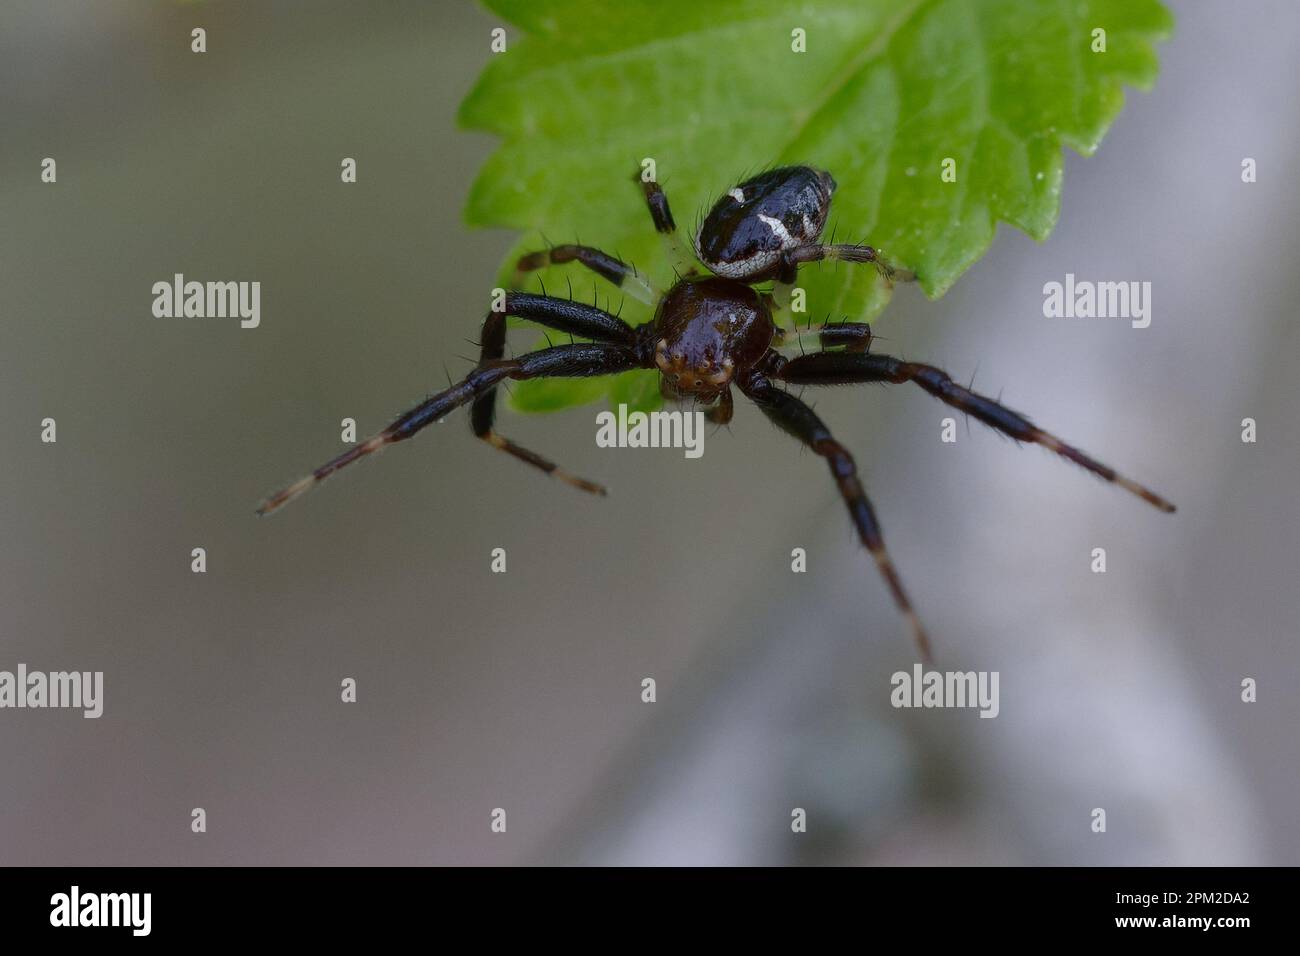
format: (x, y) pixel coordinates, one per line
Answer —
(680, 257)
(572, 317)
(615, 271)
(594, 358)
(842, 368)
(795, 418)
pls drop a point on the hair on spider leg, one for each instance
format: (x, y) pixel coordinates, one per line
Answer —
(971, 388)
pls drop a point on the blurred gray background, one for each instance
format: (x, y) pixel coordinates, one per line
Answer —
(522, 690)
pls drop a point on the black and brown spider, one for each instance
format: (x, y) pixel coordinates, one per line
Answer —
(710, 333)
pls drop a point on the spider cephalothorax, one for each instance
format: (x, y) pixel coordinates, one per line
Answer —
(710, 334)
(709, 331)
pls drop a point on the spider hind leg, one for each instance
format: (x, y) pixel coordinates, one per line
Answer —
(680, 257)
(615, 271)
(850, 252)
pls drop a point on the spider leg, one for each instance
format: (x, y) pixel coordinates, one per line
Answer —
(848, 252)
(584, 359)
(572, 317)
(842, 368)
(795, 418)
(565, 315)
(852, 336)
(680, 257)
(613, 270)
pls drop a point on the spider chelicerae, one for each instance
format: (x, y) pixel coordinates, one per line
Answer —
(711, 332)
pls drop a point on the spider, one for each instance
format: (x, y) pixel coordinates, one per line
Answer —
(711, 332)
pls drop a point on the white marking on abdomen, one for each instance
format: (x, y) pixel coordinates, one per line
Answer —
(778, 229)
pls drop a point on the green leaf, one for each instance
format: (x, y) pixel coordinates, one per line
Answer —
(552, 394)
(885, 92)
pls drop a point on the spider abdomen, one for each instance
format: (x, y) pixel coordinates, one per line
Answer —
(707, 331)
(753, 224)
